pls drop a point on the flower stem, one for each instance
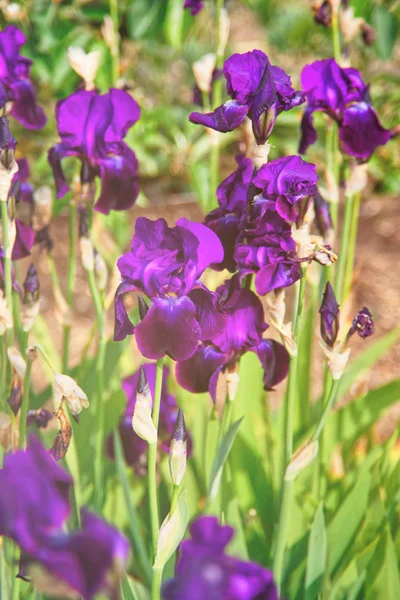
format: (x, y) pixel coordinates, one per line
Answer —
(174, 499)
(283, 528)
(329, 403)
(152, 481)
(100, 400)
(115, 45)
(291, 391)
(70, 283)
(140, 547)
(336, 35)
(24, 405)
(7, 265)
(348, 276)
(344, 248)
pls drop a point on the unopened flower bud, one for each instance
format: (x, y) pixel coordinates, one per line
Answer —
(368, 34)
(350, 25)
(203, 71)
(224, 29)
(87, 253)
(65, 389)
(337, 361)
(232, 383)
(363, 324)
(39, 417)
(18, 370)
(42, 207)
(323, 219)
(17, 362)
(6, 321)
(8, 164)
(30, 299)
(63, 438)
(143, 308)
(111, 37)
(329, 311)
(142, 422)
(85, 64)
(322, 12)
(178, 450)
(32, 353)
(100, 270)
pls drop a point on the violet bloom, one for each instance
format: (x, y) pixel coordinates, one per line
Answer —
(15, 84)
(21, 189)
(266, 247)
(244, 325)
(23, 243)
(257, 90)
(344, 97)
(287, 180)
(165, 263)
(135, 448)
(195, 6)
(226, 220)
(363, 324)
(92, 127)
(34, 507)
(329, 311)
(204, 570)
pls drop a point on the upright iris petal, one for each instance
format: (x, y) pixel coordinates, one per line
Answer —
(165, 263)
(92, 127)
(257, 90)
(204, 570)
(17, 87)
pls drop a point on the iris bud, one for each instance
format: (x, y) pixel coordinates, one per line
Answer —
(178, 450)
(329, 312)
(363, 324)
(142, 422)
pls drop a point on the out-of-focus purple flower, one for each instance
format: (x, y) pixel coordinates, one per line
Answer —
(323, 219)
(225, 221)
(34, 507)
(197, 94)
(24, 240)
(15, 82)
(243, 329)
(204, 570)
(39, 417)
(31, 285)
(195, 6)
(92, 127)
(363, 324)
(258, 90)
(31, 483)
(165, 263)
(342, 94)
(21, 189)
(287, 180)
(323, 13)
(135, 448)
(329, 311)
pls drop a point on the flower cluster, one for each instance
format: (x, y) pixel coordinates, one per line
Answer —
(204, 570)
(34, 508)
(341, 94)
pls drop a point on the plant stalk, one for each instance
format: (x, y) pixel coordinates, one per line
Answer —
(344, 248)
(24, 405)
(70, 283)
(7, 265)
(283, 528)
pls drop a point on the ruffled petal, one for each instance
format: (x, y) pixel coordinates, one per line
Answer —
(170, 327)
(361, 131)
(227, 228)
(277, 275)
(24, 108)
(275, 361)
(244, 74)
(194, 374)
(119, 176)
(122, 325)
(224, 118)
(208, 314)
(209, 250)
(126, 112)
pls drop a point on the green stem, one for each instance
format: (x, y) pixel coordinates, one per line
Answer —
(174, 499)
(344, 248)
(152, 459)
(291, 392)
(7, 265)
(24, 405)
(330, 402)
(3, 372)
(134, 527)
(156, 584)
(336, 36)
(115, 46)
(348, 276)
(283, 529)
(70, 283)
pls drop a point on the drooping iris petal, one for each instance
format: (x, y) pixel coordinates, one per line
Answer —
(34, 496)
(123, 325)
(25, 109)
(170, 327)
(208, 314)
(361, 131)
(205, 571)
(227, 228)
(275, 361)
(232, 192)
(119, 177)
(308, 132)
(194, 374)
(224, 118)
(24, 240)
(277, 275)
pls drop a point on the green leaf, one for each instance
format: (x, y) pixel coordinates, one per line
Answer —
(385, 25)
(221, 456)
(133, 589)
(347, 520)
(174, 21)
(383, 578)
(172, 531)
(353, 572)
(316, 556)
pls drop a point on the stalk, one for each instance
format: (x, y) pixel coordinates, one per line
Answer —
(115, 46)
(70, 283)
(344, 248)
(352, 245)
(336, 35)
(24, 405)
(7, 265)
(174, 499)
(284, 521)
(328, 405)
(152, 481)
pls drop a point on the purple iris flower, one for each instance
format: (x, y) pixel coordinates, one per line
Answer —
(243, 318)
(21, 189)
(329, 311)
(92, 127)
(226, 220)
(24, 240)
(266, 247)
(15, 84)
(165, 263)
(135, 449)
(204, 570)
(34, 508)
(287, 180)
(257, 90)
(362, 324)
(195, 6)
(344, 97)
